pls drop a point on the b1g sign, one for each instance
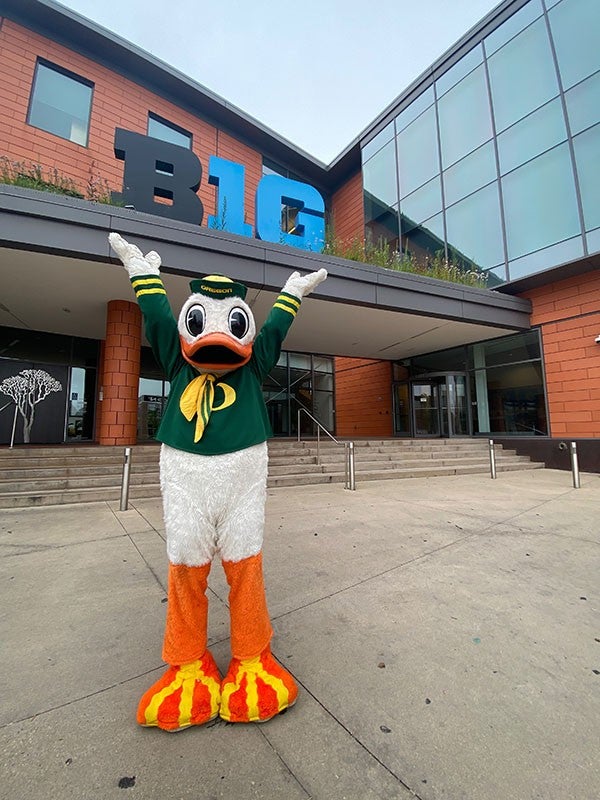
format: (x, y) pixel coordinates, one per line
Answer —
(154, 168)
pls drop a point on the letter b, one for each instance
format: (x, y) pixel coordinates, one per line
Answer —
(154, 168)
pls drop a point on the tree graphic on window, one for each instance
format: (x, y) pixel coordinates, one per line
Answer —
(27, 389)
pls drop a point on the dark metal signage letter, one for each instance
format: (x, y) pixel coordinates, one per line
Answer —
(154, 168)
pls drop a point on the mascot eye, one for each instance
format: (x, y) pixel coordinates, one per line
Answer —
(195, 320)
(238, 322)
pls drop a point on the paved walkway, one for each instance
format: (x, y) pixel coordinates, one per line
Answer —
(445, 633)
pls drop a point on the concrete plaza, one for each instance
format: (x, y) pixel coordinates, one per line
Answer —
(445, 634)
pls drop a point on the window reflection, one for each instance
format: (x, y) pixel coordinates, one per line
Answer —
(587, 158)
(289, 214)
(417, 106)
(425, 240)
(464, 114)
(583, 104)
(515, 400)
(300, 381)
(60, 103)
(471, 173)
(474, 231)
(456, 73)
(507, 350)
(418, 152)
(513, 25)
(381, 222)
(160, 128)
(593, 241)
(547, 257)
(575, 30)
(522, 75)
(531, 136)
(423, 203)
(379, 176)
(152, 398)
(496, 276)
(541, 211)
(377, 143)
(540, 205)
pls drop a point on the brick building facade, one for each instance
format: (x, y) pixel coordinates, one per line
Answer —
(550, 388)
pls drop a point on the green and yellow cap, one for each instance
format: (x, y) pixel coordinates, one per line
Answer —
(218, 287)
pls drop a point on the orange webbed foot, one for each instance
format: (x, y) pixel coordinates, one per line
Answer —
(256, 689)
(188, 694)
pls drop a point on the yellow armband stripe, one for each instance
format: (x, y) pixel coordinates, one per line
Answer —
(152, 285)
(149, 291)
(285, 308)
(288, 298)
(287, 303)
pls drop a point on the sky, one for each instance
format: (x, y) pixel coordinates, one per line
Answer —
(316, 72)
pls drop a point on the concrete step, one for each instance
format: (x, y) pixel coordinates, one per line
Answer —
(415, 464)
(82, 470)
(95, 481)
(388, 451)
(390, 474)
(54, 475)
(28, 499)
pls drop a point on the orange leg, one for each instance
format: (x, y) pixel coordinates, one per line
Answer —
(250, 624)
(187, 614)
(256, 687)
(189, 691)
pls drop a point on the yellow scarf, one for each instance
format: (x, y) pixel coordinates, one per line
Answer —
(197, 398)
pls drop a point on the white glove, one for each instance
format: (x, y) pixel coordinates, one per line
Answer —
(133, 260)
(301, 285)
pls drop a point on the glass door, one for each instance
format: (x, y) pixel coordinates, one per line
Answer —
(426, 408)
(458, 424)
(439, 406)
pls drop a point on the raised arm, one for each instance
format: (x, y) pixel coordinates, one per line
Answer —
(159, 323)
(267, 345)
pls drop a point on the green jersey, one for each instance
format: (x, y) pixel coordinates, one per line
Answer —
(239, 417)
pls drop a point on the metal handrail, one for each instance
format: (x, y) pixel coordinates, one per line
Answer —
(14, 425)
(349, 466)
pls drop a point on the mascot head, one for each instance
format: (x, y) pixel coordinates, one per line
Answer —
(216, 327)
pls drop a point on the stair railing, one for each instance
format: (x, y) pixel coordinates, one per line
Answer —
(349, 466)
(14, 425)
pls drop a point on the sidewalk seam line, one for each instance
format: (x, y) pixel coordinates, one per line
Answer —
(285, 764)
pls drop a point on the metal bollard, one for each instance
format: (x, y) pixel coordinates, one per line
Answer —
(350, 467)
(492, 458)
(125, 479)
(575, 466)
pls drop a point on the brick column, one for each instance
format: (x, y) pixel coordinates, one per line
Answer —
(120, 374)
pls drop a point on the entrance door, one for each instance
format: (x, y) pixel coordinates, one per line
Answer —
(440, 406)
(426, 408)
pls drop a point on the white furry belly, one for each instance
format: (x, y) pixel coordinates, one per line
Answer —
(213, 504)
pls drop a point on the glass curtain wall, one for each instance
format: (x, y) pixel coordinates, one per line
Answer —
(300, 381)
(492, 387)
(494, 165)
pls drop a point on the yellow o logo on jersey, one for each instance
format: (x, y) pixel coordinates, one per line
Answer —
(229, 396)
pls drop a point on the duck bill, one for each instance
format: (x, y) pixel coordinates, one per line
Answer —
(216, 352)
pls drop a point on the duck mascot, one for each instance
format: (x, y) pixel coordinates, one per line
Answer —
(213, 475)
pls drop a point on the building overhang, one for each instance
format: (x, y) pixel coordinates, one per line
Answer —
(57, 274)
